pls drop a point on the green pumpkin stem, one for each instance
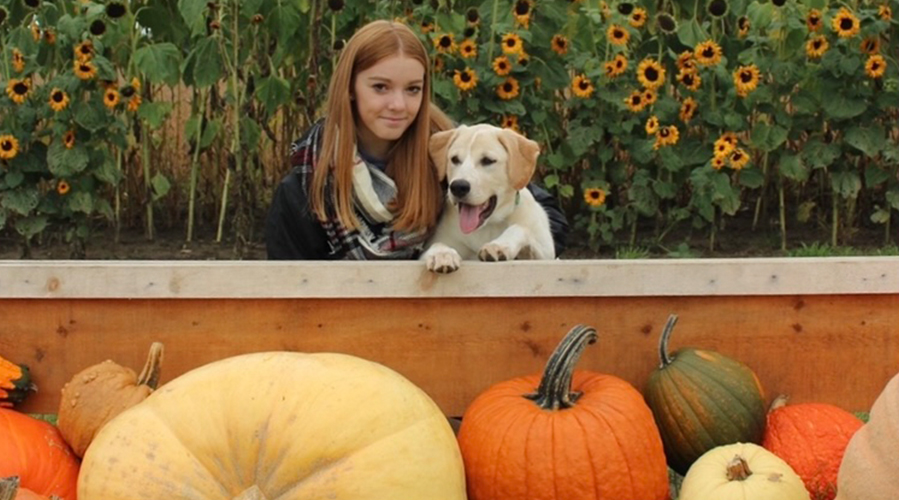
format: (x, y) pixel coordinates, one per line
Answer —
(150, 374)
(554, 392)
(8, 487)
(664, 357)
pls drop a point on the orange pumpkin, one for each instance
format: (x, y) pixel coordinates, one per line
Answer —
(15, 383)
(568, 435)
(35, 451)
(812, 438)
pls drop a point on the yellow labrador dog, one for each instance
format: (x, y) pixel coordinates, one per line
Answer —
(489, 213)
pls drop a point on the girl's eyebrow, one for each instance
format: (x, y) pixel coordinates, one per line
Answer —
(388, 80)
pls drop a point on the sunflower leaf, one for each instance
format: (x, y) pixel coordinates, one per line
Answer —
(792, 167)
(64, 162)
(160, 62)
(868, 140)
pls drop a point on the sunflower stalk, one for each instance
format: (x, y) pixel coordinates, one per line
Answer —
(145, 164)
(231, 64)
(195, 165)
(758, 201)
(493, 23)
(782, 207)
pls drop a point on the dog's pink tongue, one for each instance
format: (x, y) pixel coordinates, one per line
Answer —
(469, 217)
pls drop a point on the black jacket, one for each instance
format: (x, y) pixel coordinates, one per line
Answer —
(292, 231)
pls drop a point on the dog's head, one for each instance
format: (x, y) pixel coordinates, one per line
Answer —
(485, 166)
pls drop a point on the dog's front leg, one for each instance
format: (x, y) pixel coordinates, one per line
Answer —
(506, 246)
(441, 258)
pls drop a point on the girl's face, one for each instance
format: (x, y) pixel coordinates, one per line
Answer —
(387, 97)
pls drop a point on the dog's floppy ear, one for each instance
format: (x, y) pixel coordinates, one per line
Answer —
(437, 147)
(523, 154)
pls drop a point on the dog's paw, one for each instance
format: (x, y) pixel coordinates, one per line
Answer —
(443, 261)
(494, 252)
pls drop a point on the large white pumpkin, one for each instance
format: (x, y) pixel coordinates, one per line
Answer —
(278, 425)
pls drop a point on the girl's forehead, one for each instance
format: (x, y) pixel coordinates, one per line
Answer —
(396, 67)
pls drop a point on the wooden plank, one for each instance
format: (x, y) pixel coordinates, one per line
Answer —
(560, 278)
(839, 349)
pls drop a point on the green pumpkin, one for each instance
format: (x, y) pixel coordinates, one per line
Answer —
(702, 399)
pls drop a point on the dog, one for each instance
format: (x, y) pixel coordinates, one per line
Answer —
(489, 212)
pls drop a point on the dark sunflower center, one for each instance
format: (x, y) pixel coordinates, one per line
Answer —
(20, 88)
(583, 84)
(3, 14)
(817, 44)
(33, 3)
(445, 42)
(688, 108)
(6, 145)
(511, 43)
(637, 17)
(846, 24)
(98, 27)
(636, 100)
(560, 42)
(85, 50)
(84, 68)
(875, 66)
(718, 8)
(651, 74)
(465, 76)
(779, 3)
(625, 8)
(57, 96)
(664, 132)
(468, 49)
(507, 87)
(737, 156)
(502, 66)
(814, 20)
(115, 10)
(745, 76)
(473, 16)
(469, 32)
(619, 63)
(708, 52)
(595, 194)
(743, 23)
(667, 23)
(522, 8)
(617, 34)
(688, 79)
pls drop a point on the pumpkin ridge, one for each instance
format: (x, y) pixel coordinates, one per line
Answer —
(714, 378)
(722, 406)
(663, 398)
(704, 434)
(580, 424)
(611, 431)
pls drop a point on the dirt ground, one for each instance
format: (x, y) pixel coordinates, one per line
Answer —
(737, 239)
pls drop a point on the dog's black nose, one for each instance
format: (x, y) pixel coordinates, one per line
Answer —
(460, 188)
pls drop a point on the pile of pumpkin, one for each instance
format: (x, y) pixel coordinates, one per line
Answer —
(310, 426)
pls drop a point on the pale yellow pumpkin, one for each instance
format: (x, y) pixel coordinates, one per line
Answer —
(741, 471)
(868, 470)
(278, 425)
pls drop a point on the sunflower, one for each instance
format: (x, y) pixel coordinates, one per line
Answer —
(502, 66)
(18, 89)
(97, 28)
(18, 60)
(510, 122)
(472, 16)
(652, 125)
(512, 44)
(723, 147)
(617, 35)
(746, 79)
(666, 136)
(884, 12)
(730, 138)
(582, 86)
(625, 8)
(688, 109)
(650, 97)
(845, 23)
(50, 36)
(135, 82)
(816, 47)
(523, 59)
(58, 99)
(508, 89)
(813, 20)
(708, 53)
(116, 10)
(638, 17)
(870, 45)
(69, 139)
(445, 43)
(111, 98)
(875, 66)
(738, 159)
(9, 147)
(439, 64)
(466, 79)
(85, 70)
(650, 73)
(63, 187)
(560, 44)
(469, 32)
(743, 26)
(468, 49)
(635, 101)
(689, 79)
(35, 31)
(84, 51)
(595, 197)
(426, 27)
(718, 8)
(134, 103)
(718, 162)
(616, 66)
(666, 23)
(522, 12)
(685, 60)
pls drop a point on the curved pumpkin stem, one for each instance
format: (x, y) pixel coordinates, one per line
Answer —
(738, 469)
(663, 341)
(8, 487)
(554, 392)
(151, 372)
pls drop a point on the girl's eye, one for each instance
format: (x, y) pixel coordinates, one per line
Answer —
(414, 90)
(380, 87)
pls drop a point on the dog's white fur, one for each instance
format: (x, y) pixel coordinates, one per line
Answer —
(492, 162)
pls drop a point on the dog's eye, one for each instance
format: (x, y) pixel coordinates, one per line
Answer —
(455, 159)
(487, 161)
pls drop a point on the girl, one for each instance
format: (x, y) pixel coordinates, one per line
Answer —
(362, 186)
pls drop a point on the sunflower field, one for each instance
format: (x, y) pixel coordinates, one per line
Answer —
(652, 116)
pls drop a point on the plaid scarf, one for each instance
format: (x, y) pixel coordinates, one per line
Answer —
(373, 191)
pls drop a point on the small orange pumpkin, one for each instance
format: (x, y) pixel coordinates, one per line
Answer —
(100, 392)
(35, 452)
(812, 438)
(565, 435)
